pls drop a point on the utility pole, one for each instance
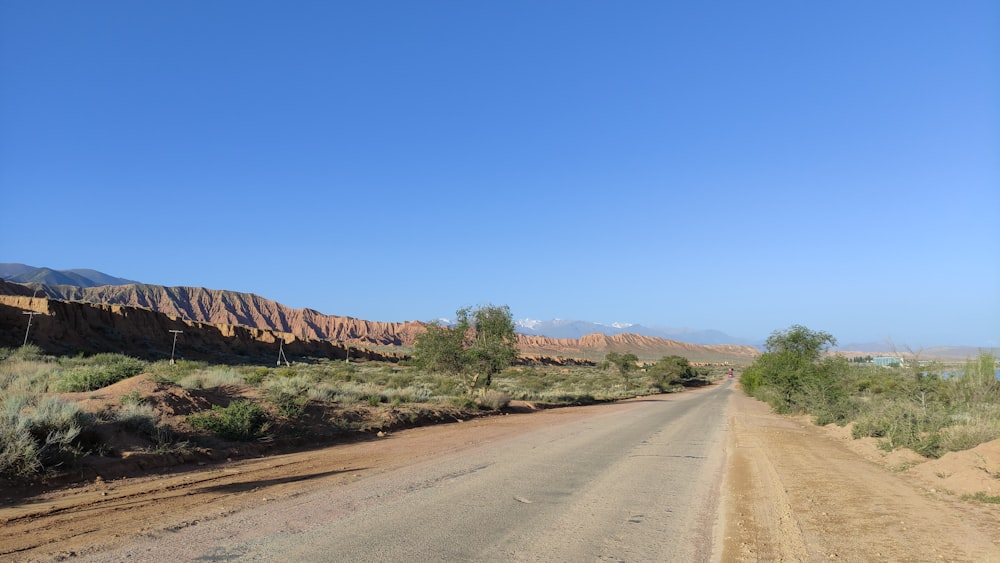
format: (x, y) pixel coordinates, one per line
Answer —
(176, 332)
(31, 315)
(281, 353)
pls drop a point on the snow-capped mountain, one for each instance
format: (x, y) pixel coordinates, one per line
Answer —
(562, 328)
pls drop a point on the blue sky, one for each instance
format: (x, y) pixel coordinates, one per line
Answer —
(740, 166)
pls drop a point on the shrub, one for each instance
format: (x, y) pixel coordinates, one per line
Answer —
(27, 376)
(494, 400)
(290, 394)
(36, 437)
(255, 376)
(163, 370)
(138, 417)
(211, 378)
(132, 398)
(966, 436)
(241, 420)
(18, 451)
(100, 371)
(321, 393)
(28, 352)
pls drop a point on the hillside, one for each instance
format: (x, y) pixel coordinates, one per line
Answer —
(62, 327)
(244, 309)
(22, 273)
(229, 312)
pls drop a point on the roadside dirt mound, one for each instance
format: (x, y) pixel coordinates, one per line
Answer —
(968, 472)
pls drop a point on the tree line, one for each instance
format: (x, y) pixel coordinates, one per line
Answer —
(482, 343)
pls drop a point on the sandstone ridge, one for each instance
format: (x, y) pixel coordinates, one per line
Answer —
(243, 309)
(245, 315)
(63, 327)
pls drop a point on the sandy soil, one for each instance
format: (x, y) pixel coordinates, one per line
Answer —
(793, 492)
(797, 492)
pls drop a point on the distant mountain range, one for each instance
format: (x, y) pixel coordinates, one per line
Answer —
(21, 273)
(234, 308)
(222, 308)
(555, 328)
(561, 328)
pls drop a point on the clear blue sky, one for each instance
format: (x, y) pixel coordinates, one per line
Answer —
(740, 166)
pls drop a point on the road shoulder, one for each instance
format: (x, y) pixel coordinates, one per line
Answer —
(792, 493)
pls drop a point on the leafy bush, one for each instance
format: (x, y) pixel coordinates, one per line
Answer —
(241, 420)
(909, 406)
(671, 371)
(100, 371)
(480, 346)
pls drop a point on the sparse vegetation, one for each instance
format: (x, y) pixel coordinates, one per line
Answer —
(984, 497)
(241, 420)
(211, 378)
(920, 406)
(99, 371)
(39, 432)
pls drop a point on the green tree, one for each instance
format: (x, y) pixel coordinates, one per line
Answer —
(480, 345)
(674, 370)
(494, 343)
(625, 363)
(440, 348)
(790, 366)
(804, 344)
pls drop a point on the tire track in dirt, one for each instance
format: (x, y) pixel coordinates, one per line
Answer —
(93, 517)
(106, 512)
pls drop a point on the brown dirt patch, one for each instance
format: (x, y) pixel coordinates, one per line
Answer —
(796, 492)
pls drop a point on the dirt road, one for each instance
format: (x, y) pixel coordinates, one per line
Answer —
(793, 492)
(790, 493)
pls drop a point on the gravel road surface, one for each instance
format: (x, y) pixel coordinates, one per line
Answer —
(633, 481)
